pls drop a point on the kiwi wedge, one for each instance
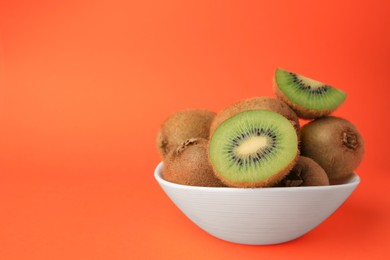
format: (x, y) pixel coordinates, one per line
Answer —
(306, 172)
(307, 97)
(182, 125)
(255, 148)
(256, 103)
(335, 144)
(188, 164)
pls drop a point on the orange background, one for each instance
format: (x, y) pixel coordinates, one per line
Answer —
(86, 84)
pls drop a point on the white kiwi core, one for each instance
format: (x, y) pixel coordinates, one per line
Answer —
(252, 145)
(310, 82)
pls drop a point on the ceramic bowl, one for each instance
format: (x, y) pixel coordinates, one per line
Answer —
(257, 216)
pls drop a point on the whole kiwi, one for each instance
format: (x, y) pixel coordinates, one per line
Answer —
(306, 172)
(182, 125)
(188, 164)
(256, 103)
(335, 144)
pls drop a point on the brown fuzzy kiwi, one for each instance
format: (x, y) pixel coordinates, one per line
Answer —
(335, 144)
(257, 103)
(188, 164)
(182, 125)
(306, 172)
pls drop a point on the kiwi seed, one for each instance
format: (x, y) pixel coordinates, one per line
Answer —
(335, 144)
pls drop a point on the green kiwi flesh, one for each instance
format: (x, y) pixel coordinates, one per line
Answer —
(256, 103)
(335, 144)
(306, 172)
(182, 125)
(255, 148)
(188, 164)
(307, 97)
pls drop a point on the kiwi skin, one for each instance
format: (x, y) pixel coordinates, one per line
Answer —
(306, 172)
(335, 144)
(188, 164)
(256, 103)
(182, 125)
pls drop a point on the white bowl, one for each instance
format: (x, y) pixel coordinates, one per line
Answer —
(257, 216)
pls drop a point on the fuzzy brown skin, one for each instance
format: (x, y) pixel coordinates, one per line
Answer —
(182, 125)
(257, 103)
(302, 112)
(188, 165)
(271, 181)
(335, 144)
(306, 172)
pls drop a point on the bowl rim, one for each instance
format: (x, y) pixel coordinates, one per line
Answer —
(353, 181)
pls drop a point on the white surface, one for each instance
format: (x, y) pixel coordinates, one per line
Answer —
(257, 216)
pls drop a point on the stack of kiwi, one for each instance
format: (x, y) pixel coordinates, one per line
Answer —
(258, 142)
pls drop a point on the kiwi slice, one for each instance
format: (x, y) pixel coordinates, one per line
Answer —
(335, 144)
(188, 164)
(307, 97)
(256, 103)
(255, 148)
(182, 125)
(306, 172)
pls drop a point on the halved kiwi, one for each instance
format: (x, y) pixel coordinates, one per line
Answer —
(255, 148)
(307, 97)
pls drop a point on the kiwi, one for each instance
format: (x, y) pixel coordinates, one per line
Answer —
(182, 125)
(255, 148)
(306, 172)
(257, 103)
(335, 144)
(307, 97)
(188, 164)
